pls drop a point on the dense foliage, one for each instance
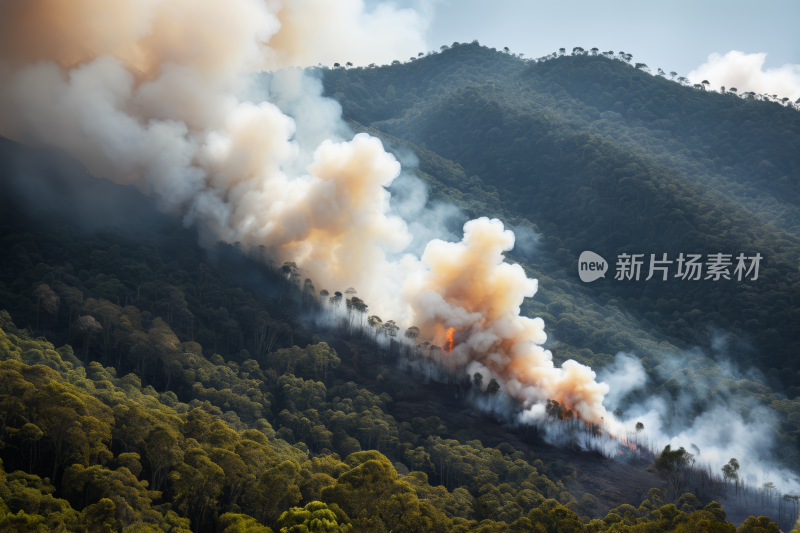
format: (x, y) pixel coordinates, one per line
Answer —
(125, 457)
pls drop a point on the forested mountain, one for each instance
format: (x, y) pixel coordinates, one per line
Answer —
(545, 141)
(149, 384)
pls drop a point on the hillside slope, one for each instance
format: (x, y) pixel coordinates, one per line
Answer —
(593, 179)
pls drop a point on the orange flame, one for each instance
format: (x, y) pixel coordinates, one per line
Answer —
(448, 343)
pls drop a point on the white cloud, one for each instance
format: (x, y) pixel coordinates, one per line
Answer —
(746, 73)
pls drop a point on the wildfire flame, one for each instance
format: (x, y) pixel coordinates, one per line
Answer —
(448, 343)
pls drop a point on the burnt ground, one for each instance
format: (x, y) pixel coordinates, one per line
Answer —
(611, 482)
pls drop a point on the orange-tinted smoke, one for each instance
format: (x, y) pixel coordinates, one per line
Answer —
(141, 92)
(212, 37)
(467, 286)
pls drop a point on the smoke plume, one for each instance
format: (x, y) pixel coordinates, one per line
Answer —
(468, 300)
(144, 92)
(746, 73)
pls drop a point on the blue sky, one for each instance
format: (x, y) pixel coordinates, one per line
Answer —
(677, 35)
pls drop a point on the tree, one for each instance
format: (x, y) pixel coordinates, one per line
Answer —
(67, 426)
(336, 298)
(197, 483)
(672, 465)
(661, 72)
(477, 380)
(99, 517)
(162, 449)
(74, 299)
(672, 75)
(138, 274)
(642, 66)
(731, 470)
(761, 524)
(336, 65)
(315, 517)
(412, 333)
(348, 64)
(276, 489)
(505, 49)
(595, 50)
(204, 275)
(493, 387)
(639, 427)
(704, 83)
(391, 328)
(322, 357)
(45, 297)
(375, 322)
(562, 51)
(372, 491)
(88, 326)
(240, 523)
(420, 54)
(107, 315)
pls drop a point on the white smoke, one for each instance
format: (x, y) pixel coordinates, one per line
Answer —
(624, 376)
(720, 430)
(746, 72)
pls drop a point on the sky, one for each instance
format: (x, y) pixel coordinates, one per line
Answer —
(676, 36)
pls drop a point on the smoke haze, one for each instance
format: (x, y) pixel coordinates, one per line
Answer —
(699, 414)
